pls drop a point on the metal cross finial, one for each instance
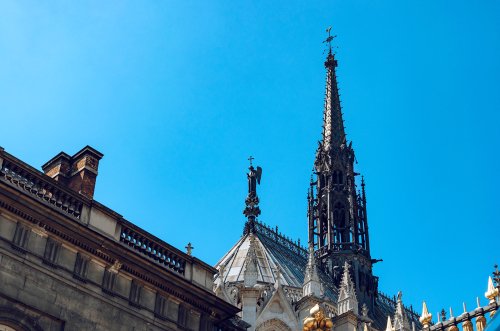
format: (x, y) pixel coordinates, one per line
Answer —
(251, 158)
(189, 249)
(329, 39)
(443, 315)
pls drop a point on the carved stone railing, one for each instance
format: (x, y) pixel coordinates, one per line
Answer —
(33, 183)
(293, 294)
(265, 295)
(281, 239)
(153, 248)
(325, 250)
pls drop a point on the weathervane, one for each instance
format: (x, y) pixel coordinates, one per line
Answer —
(329, 39)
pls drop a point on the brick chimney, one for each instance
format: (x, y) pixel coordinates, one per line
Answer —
(78, 172)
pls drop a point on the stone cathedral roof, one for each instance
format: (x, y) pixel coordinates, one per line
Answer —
(276, 252)
(273, 251)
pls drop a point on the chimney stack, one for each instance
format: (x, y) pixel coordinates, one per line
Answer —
(78, 172)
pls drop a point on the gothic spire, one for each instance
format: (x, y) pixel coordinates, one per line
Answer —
(401, 322)
(312, 285)
(389, 324)
(252, 209)
(347, 295)
(337, 221)
(333, 124)
(251, 274)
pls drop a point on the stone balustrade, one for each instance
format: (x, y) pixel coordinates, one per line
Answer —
(40, 187)
(160, 253)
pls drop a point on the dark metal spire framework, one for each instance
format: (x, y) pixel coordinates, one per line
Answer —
(333, 125)
(338, 227)
(252, 209)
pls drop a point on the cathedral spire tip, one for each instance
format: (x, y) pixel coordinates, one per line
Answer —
(329, 39)
(333, 124)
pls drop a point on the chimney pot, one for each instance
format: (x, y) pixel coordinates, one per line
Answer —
(78, 172)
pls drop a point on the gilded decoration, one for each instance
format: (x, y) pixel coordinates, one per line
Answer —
(317, 321)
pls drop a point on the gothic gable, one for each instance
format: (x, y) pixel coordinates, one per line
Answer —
(278, 308)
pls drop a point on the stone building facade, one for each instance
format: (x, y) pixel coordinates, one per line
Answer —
(69, 263)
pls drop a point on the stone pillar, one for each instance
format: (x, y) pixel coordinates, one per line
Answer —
(346, 322)
(249, 298)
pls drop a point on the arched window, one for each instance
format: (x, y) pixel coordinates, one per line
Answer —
(337, 177)
(340, 223)
(339, 215)
(323, 226)
(15, 320)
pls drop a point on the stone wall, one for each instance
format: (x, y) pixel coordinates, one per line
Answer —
(49, 292)
(50, 295)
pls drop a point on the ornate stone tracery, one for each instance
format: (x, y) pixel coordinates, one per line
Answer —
(273, 325)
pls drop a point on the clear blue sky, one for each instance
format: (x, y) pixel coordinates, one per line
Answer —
(177, 95)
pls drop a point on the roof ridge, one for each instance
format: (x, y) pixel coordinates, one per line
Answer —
(286, 242)
(392, 301)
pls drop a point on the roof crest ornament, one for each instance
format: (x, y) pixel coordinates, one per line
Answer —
(252, 209)
(426, 317)
(329, 39)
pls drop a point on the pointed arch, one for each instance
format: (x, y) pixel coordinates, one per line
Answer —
(275, 312)
(340, 224)
(337, 177)
(17, 320)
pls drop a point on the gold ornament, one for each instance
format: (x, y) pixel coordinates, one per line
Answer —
(426, 317)
(467, 326)
(317, 321)
(491, 294)
(480, 323)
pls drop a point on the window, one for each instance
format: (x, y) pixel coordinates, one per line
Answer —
(21, 236)
(81, 267)
(340, 224)
(51, 252)
(108, 282)
(161, 306)
(337, 177)
(135, 294)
